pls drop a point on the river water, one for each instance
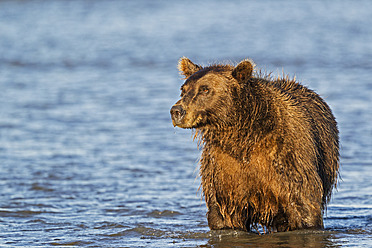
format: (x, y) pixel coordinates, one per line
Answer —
(88, 154)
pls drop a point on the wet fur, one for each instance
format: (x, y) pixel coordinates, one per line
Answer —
(270, 148)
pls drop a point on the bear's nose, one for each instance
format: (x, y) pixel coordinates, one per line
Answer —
(177, 113)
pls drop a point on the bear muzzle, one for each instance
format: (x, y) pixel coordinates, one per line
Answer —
(177, 114)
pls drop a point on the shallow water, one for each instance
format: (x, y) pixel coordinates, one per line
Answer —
(87, 151)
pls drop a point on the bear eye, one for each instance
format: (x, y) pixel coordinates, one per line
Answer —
(204, 89)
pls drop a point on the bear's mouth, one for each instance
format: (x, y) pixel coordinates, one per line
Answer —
(188, 123)
(184, 118)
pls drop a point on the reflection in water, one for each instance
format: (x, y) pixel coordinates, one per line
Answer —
(293, 239)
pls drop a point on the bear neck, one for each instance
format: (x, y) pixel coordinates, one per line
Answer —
(252, 120)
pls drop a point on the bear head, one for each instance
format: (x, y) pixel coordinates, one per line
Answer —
(207, 95)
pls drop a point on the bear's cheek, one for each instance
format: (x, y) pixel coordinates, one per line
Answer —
(196, 110)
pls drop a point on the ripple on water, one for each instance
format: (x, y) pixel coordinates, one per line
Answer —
(109, 225)
(140, 231)
(20, 213)
(164, 213)
(70, 243)
(40, 187)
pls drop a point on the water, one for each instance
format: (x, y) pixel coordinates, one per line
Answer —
(88, 154)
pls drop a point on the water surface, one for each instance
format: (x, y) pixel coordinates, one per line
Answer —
(88, 154)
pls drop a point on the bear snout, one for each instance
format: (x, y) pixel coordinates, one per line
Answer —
(177, 113)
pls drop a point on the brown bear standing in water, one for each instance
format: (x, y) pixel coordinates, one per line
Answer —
(270, 147)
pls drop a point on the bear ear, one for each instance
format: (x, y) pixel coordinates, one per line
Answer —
(187, 68)
(243, 71)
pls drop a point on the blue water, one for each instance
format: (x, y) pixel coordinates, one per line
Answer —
(88, 154)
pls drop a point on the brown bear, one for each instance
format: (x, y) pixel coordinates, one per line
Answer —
(270, 147)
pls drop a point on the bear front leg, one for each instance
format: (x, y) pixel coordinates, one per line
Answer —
(215, 219)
